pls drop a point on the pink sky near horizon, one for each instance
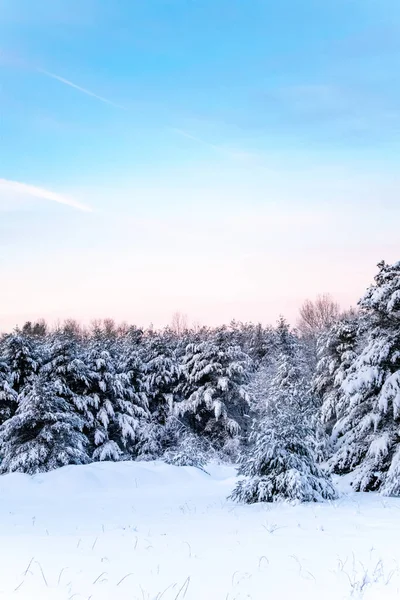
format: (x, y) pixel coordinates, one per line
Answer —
(139, 253)
(246, 292)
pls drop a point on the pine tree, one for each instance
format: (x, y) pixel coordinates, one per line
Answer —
(281, 464)
(140, 364)
(259, 347)
(18, 365)
(161, 373)
(368, 428)
(160, 378)
(8, 397)
(296, 350)
(337, 350)
(22, 356)
(117, 409)
(214, 391)
(65, 366)
(265, 364)
(44, 433)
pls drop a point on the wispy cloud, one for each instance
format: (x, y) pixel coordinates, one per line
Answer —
(227, 151)
(24, 189)
(79, 88)
(188, 135)
(231, 153)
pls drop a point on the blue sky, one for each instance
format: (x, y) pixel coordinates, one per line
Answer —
(221, 158)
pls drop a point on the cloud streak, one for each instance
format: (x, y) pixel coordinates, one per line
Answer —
(188, 135)
(16, 187)
(79, 88)
(229, 152)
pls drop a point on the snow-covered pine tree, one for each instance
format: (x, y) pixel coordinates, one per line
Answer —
(288, 343)
(8, 397)
(161, 374)
(336, 350)
(270, 340)
(215, 399)
(133, 337)
(367, 431)
(262, 344)
(66, 368)
(44, 433)
(281, 464)
(117, 408)
(22, 355)
(153, 432)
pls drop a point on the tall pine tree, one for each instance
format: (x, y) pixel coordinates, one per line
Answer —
(117, 409)
(337, 349)
(214, 391)
(22, 354)
(368, 428)
(8, 396)
(281, 464)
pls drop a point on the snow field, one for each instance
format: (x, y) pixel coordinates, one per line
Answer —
(151, 531)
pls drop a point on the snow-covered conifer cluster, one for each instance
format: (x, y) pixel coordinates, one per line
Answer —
(72, 396)
(292, 406)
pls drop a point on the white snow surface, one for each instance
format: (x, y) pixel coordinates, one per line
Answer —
(152, 531)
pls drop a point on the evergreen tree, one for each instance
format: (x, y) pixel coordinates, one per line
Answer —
(65, 366)
(273, 341)
(214, 391)
(44, 433)
(297, 353)
(281, 463)
(161, 374)
(117, 409)
(336, 352)
(368, 428)
(8, 397)
(22, 355)
(260, 346)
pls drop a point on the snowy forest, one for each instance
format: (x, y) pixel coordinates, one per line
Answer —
(291, 406)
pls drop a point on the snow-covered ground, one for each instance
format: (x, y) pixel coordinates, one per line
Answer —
(150, 531)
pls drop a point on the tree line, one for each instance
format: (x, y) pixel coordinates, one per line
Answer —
(290, 405)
